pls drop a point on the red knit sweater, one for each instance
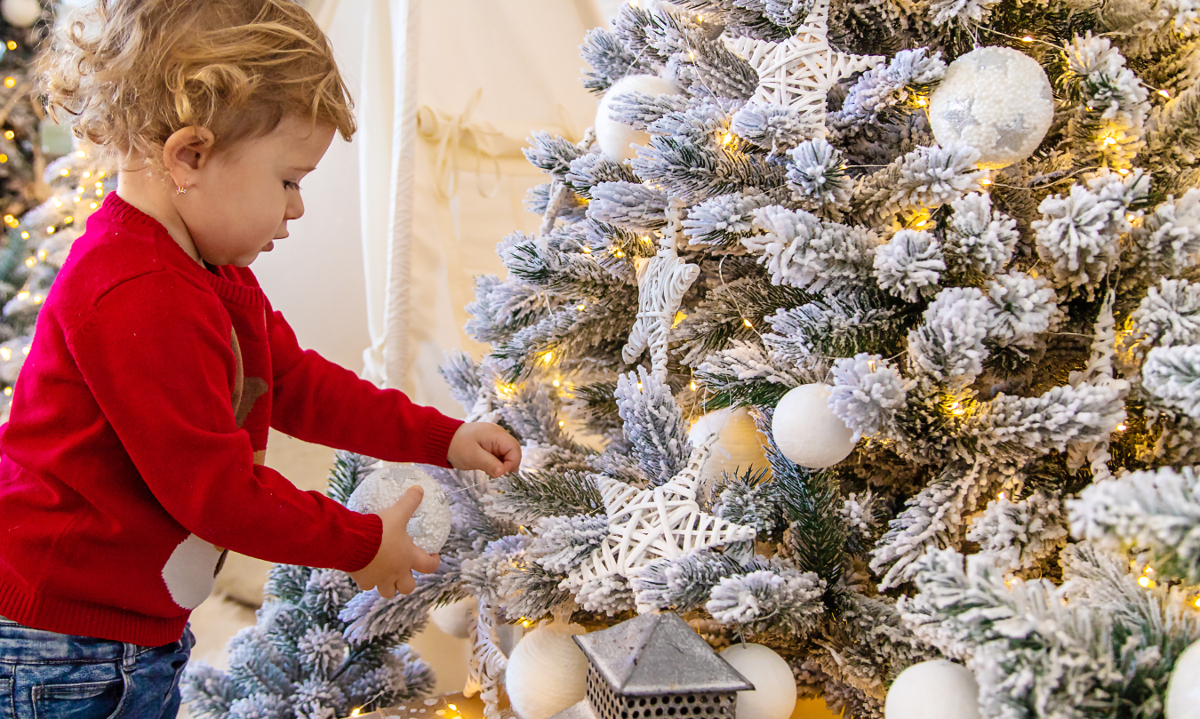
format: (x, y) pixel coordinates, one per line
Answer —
(133, 456)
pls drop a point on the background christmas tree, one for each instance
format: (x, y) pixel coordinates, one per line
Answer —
(48, 186)
(944, 253)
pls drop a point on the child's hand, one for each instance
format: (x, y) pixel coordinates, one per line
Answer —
(486, 446)
(391, 569)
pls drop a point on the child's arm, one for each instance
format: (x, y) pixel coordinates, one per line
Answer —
(318, 401)
(160, 367)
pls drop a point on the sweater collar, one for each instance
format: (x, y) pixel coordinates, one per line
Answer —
(223, 280)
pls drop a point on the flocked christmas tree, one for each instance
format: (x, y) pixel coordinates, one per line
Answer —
(943, 253)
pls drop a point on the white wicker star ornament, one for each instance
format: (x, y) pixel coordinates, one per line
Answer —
(662, 282)
(656, 522)
(799, 71)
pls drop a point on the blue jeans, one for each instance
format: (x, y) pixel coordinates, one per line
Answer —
(45, 675)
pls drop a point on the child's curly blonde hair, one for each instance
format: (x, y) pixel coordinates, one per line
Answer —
(132, 72)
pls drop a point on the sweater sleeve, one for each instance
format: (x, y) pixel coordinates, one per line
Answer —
(318, 401)
(156, 354)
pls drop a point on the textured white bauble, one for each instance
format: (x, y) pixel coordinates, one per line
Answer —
(455, 618)
(995, 99)
(937, 689)
(547, 671)
(774, 693)
(616, 138)
(430, 524)
(1183, 693)
(738, 445)
(21, 13)
(807, 431)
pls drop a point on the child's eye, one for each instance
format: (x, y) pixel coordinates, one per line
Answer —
(291, 185)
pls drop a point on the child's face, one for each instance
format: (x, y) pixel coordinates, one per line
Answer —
(247, 193)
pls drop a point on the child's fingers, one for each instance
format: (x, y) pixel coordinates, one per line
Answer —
(512, 456)
(406, 583)
(408, 503)
(487, 461)
(426, 563)
(386, 591)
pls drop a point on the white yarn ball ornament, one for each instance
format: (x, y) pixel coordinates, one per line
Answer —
(430, 524)
(937, 689)
(995, 99)
(21, 13)
(807, 431)
(738, 445)
(616, 138)
(455, 618)
(774, 693)
(1183, 693)
(547, 671)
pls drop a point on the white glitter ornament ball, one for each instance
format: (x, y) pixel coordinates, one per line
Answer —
(774, 693)
(1183, 693)
(936, 689)
(430, 524)
(738, 445)
(995, 99)
(616, 139)
(21, 13)
(547, 671)
(807, 431)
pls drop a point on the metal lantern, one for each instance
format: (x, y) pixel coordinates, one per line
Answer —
(655, 667)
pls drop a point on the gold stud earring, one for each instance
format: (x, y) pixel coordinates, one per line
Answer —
(180, 190)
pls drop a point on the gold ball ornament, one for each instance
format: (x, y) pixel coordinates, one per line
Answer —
(738, 445)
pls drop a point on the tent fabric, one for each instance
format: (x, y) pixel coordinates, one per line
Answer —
(448, 93)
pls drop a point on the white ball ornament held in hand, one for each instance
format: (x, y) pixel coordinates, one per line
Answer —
(616, 139)
(547, 671)
(22, 13)
(774, 693)
(807, 431)
(937, 689)
(1183, 693)
(995, 99)
(430, 524)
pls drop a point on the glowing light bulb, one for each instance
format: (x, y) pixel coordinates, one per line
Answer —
(986, 181)
(9, 134)
(86, 175)
(94, 205)
(1197, 602)
(37, 300)
(639, 386)
(679, 317)
(50, 230)
(1000, 496)
(30, 262)
(726, 138)
(557, 383)
(1121, 427)
(748, 323)
(1123, 171)
(587, 250)
(42, 254)
(65, 172)
(57, 202)
(10, 82)
(548, 357)
(562, 423)
(922, 102)
(1164, 93)
(25, 349)
(356, 711)
(1146, 582)
(8, 391)
(646, 239)
(1027, 38)
(24, 235)
(22, 294)
(12, 45)
(81, 154)
(617, 252)
(1110, 140)
(68, 220)
(5, 353)
(692, 386)
(3, 158)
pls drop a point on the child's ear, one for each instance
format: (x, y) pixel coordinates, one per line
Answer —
(188, 149)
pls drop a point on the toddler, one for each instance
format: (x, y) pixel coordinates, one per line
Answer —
(133, 459)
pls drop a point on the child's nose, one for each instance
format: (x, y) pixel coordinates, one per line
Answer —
(295, 208)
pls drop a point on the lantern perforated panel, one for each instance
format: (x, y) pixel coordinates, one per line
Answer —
(609, 705)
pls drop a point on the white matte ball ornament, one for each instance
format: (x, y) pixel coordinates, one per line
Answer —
(774, 693)
(615, 138)
(455, 618)
(807, 431)
(937, 689)
(995, 99)
(738, 445)
(22, 13)
(430, 524)
(1183, 693)
(547, 671)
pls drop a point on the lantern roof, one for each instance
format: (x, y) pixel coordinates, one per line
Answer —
(658, 653)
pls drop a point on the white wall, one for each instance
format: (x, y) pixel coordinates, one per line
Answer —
(315, 277)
